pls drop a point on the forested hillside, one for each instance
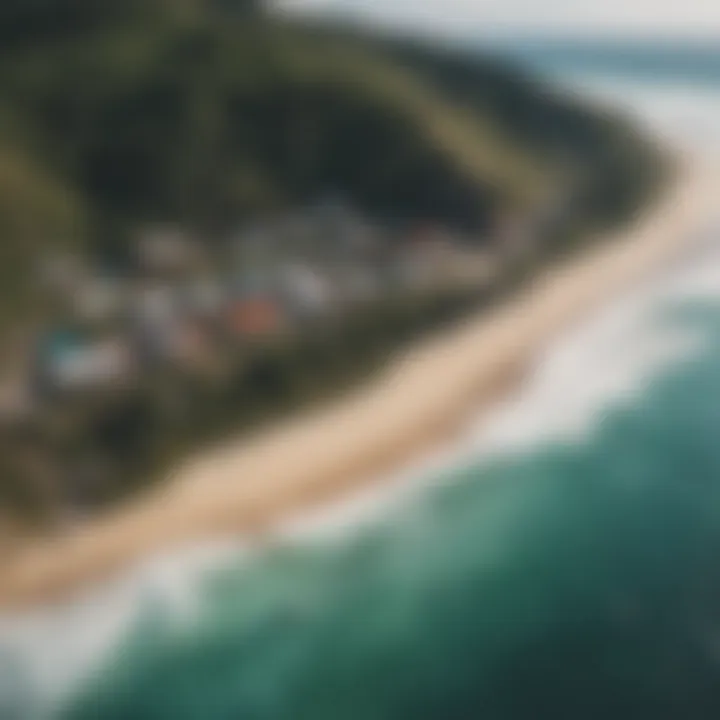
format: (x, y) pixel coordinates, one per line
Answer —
(213, 119)
(114, 114)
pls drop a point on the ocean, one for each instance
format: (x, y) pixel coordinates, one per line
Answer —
(558, 559)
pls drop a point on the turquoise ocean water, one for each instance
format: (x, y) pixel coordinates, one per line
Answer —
(559, 560)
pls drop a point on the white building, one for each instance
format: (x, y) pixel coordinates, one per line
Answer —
(94, 364)
(306, 289)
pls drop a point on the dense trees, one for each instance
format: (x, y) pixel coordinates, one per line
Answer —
(203, 111)
(36, 211)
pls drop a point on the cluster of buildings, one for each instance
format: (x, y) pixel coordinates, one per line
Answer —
(185, 303)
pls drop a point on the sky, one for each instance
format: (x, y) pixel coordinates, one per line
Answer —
(644, 18)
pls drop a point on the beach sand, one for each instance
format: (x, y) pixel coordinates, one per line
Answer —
(421, 397)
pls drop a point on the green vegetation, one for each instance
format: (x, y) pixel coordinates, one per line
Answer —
(206, 113)
(203, 112)
(33, 208)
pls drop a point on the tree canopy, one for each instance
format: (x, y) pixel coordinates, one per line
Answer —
(202, 112)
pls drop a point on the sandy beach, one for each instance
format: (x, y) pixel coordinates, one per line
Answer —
(421, 397)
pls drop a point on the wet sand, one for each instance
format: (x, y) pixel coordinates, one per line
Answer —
(421, 397)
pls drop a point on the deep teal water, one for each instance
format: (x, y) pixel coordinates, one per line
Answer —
(575, 580)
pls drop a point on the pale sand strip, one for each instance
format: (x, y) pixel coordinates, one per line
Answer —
(317, 457)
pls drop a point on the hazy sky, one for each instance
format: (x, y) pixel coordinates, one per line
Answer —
(627, 17)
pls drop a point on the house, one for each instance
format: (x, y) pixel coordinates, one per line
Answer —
(155, 311)
(186, 343)
(99, 363)
(167, 250)
(67, 361)
(307, 293)
(254, 316)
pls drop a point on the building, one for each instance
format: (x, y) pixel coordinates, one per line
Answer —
(168, 250)
(306, 292)
(254, 316)
(67, 361)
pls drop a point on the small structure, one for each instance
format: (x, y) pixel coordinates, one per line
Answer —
(254, 316)
(167, 250)
(186, 344)
(156, 311)
(67, 361)
(306, 292)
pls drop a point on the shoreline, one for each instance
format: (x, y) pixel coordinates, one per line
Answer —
(421, 397)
